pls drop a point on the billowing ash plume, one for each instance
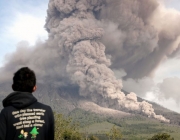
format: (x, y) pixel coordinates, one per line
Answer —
(139, 35)
(75, 53)
(74, 24)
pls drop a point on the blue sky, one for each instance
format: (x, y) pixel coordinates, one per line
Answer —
(22, 20)
(173, 4)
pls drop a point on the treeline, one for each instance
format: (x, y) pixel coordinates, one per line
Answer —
(134, 127)
(67, 129)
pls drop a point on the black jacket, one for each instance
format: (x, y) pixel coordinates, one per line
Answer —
(25, 118)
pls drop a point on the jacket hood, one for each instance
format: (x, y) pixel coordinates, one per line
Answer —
(19, 100)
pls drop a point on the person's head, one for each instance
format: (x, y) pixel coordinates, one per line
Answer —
(24, 80)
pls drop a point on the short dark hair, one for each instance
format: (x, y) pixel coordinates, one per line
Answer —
(24, 80)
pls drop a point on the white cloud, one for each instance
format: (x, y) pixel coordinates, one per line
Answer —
(140, 87)
(172, 4)
(167, 103)
(21, 24)
(169, 68)
(28, 27)
(169, 88)
(165, 93)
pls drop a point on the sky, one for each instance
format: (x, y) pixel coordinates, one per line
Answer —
(21, 22)
(24, 21)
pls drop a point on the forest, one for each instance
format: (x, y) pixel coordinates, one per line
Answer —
(85, 125)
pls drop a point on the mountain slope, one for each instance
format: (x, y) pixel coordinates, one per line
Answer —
(65, 100)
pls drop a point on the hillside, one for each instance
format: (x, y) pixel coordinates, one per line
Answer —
(65, 100)
(97, 119)
(133, 128)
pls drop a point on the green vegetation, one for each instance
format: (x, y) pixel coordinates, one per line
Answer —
(85, 118)
(86, 125)
(114, 134)
(65, 129)
(135, 127)
(163, 136)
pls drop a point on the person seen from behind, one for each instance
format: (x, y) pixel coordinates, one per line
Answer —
(23, 117)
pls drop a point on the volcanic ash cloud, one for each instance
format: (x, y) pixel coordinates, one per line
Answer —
(139, 35)
(74, 24)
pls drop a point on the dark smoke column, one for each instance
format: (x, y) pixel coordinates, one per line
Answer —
(73, 24)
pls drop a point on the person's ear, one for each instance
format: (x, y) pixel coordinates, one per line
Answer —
(34, 88)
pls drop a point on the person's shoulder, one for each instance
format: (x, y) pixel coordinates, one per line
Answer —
(46, 108)
(41, 105)
(6, 109)
(3, 111)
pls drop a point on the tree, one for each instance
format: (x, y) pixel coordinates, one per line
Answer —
(161, 136)
(114, 134)
(65, 129)
(34, 132)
